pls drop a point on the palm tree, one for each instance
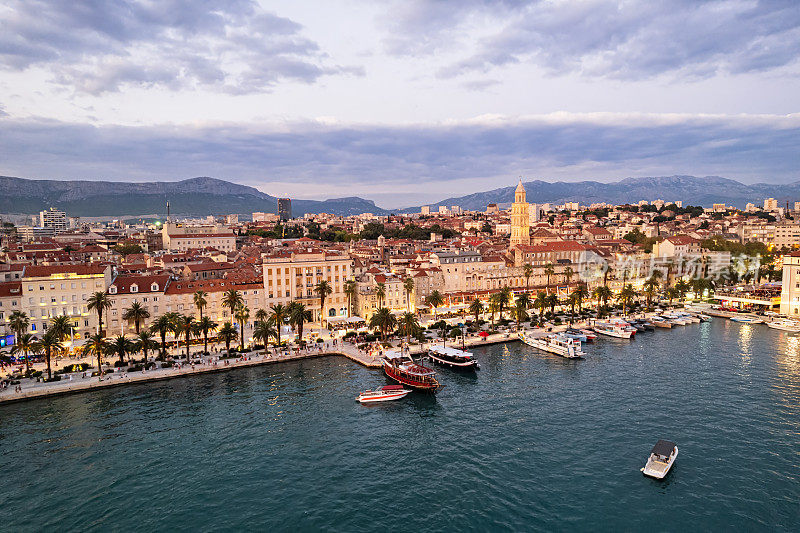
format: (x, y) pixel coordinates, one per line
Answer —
(572, 300)
(682, 287)
(262, 315)
(527, 271)
(145, 343)
(503, 299)
(161, 326)
(98, 346)
(322, 289)
(278, 315)
(205, 324)
(298, 315)
(227, 334)
(525, 299)
(25, 343)
(650, 289)
(99, 301)
(541, 303)
(581, 293)
(50, 345)
(121, 346)
(62, 326)
(494, 305)
(384, 320)
(625, 297)
(520, 312)
(408, 286)
(184, 325)
(380, 293)
(602, 294)
(350, 288)
(242, 315)
(552, 302)
(434, 299)
(18, 322)
(409, 324)
(548, 271)
(136, 312)
(476, 308)
(262, 331)
(200, 302)
(232, 299)
(568, 273)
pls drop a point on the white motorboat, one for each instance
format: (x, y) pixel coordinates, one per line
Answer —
(557, 344)
(612, 330)
(661, 459)
(745, 319)
(383, 394)
(785, 324)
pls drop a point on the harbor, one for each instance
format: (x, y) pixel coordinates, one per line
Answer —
(532, 436)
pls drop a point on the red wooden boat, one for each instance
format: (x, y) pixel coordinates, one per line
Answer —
(402, 369)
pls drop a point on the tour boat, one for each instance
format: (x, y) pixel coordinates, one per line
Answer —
(624, 324)
(383, 394)
(661, 458)
(557, 344)
(612, 330)
(452, 357)
(590, 335)
(747, 319)
(785, 324)
(402, 369)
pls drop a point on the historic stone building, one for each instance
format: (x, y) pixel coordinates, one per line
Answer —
(520, 218)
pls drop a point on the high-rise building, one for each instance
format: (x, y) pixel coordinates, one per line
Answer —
(770, 204)
(53, 218)
(533, 212)
(425, 210)
(520, 218)
(284, 208)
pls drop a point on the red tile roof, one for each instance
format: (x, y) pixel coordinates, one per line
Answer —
(33, 271)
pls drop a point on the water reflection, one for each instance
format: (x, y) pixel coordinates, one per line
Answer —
(746, 342)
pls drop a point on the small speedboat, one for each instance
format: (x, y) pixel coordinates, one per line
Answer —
(575, 334)
(743, 319)
(590, 335)
(662, 456)
(661, 323)
(383, 394)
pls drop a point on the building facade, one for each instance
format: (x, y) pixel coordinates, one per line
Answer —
(520, 218)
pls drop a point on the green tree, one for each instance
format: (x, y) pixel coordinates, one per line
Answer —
(278, 315)
(503, 299)
(161, 326)
(144, 343)
(232, 299)
(184, 325)
(18, 321)
(541, 302)
(205, 324)
(298, 316)
(136, 312)
(409, 325)
(520, 312)
(380, 293)
(227, 334)
(263, 331)
(527, 271)
(602, 294)
(408, 287)
(568, 274)
(581, 293)
(121, 347)
(50, 344)
(625, 297)
(242, 315)
(383, 320)
(434, 300)
(350, 289)
(62, 326)
(25, 344)
(200, 301)
(476, 308)
(97, 346)
(323, 289)
(99, 302)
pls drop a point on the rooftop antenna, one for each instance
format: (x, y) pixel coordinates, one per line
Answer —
(167, 211)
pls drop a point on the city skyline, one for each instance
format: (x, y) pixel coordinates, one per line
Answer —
(393, 96)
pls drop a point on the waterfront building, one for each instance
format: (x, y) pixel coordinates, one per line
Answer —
(520, 217)
(147, 290)
(55, 290)
(790, 289)
(292, 275)
(182, 237)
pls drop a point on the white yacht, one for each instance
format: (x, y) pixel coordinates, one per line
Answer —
(745, 319)
(612, 330)
(662, 456)
(557, 344)
(785, 324)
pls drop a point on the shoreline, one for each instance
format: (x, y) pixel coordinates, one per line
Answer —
(65, 387)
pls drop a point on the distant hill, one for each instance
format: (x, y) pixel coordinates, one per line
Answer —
(195, 196)
(691, 190)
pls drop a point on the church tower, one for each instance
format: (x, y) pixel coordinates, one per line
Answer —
(520, 218)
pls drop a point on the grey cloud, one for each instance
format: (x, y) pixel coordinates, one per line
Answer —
(100, 46)
(625, 40)
(386, 158)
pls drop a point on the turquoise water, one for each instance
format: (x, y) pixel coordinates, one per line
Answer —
(533, 442)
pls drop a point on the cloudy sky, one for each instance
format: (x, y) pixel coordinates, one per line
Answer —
(401, 102)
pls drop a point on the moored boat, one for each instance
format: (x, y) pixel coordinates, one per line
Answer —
(661, 323)
(590, 335)
(661, 459)
(745, 319)
(383, 394)
(576, 334)
(402, 369)
(452, 358)
(612, 330)
(557, 344)
(785, 324)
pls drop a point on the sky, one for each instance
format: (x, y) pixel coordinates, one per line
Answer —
(401, 102)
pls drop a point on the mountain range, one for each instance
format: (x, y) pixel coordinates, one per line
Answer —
(204, 196)
(195, 196)
(691, 190)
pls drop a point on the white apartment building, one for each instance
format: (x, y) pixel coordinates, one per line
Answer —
(53, 218)
(179, 237)
(790, 292)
